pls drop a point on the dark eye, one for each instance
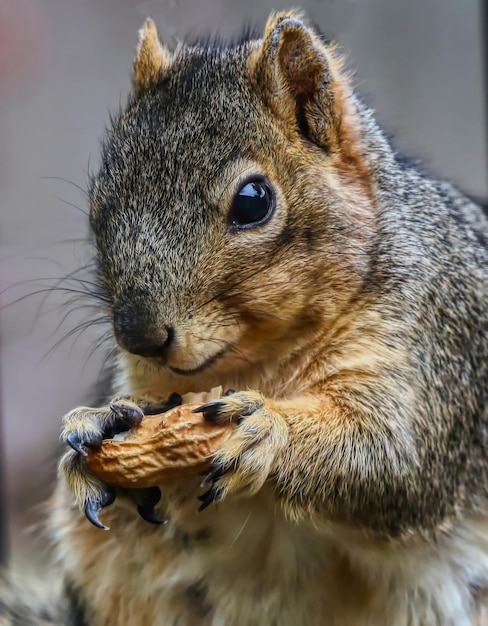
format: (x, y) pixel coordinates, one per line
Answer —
(253, 204)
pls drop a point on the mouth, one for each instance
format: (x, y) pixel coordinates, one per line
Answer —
(196, 370)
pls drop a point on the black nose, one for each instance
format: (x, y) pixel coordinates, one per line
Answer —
(138, 335)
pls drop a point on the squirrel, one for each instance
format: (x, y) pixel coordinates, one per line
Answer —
(255, 229)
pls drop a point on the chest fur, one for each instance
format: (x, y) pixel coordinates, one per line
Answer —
(242, 562)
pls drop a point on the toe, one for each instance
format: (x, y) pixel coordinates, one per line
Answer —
(208, 498)
(212, 411)
(80, 441)
(146, 500)
(94, 505)
(217, 472)
(130, 414)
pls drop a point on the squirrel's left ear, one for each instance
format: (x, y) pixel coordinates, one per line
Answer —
(302, 80)
(152, 58)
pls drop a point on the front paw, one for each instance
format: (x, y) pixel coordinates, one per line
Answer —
(87, 427)
(84, 428)
(248, 458)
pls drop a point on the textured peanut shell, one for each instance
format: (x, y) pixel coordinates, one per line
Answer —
(162, 449)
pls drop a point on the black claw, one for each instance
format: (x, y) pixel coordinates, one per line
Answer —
(218, 471)
(205, 495)
(92, 511)
(93, 507)
(207, 498)
(211, 410)
(89, 440)
(153, 409)
(149, 515)
(174, 400)
(76, 443)
(126, 417)
(148, 498)
(107, 496)
(131, 415)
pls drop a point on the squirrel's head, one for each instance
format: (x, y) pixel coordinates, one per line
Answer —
(233, 204)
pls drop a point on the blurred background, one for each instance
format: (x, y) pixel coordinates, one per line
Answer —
(64, 64)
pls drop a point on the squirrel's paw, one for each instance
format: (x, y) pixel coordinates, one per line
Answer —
(87, 427)
(246, 460)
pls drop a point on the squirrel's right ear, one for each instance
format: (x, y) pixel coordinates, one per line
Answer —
(301, 79)
(152, 58)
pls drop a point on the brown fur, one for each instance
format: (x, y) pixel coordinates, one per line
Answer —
(152, 58)
(351, 323)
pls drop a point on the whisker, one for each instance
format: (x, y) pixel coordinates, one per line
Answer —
(70, 277)
(87, 319)
(77, 331)
(236, 351)
(109, 356)
(104, 339)
(239, 532)
(74, 206)
(47, 290)
(69, 182)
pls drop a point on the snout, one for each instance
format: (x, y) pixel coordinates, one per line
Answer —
(188, 346)
(136, 331)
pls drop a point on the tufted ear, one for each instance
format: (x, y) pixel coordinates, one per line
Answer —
(152, 58)
(301, 78)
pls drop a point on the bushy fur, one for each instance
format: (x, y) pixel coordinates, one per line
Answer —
(352, 325)
(25, 604)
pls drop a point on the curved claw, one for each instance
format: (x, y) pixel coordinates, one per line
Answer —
(153, 409)
(131, 415)
(211, 410)
(207, 498)
(75, 442)
(92, 512)
(218, 471)
(148, 498)
(149, 515)
(174, 400)
(93, 507)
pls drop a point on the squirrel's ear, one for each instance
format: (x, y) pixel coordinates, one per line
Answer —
(152, 58)
(301, 78)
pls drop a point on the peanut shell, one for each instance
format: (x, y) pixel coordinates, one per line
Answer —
(162, 449)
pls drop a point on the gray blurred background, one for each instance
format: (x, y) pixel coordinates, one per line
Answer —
(64, 64)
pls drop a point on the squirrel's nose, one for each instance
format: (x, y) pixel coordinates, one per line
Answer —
(138, 336)
(151, 345)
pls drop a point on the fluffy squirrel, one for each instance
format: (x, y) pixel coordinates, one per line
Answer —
(256, 230)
